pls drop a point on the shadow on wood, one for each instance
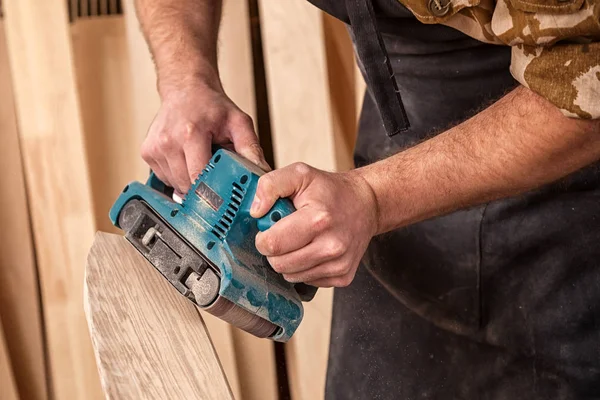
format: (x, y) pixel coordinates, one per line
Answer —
(150, 343)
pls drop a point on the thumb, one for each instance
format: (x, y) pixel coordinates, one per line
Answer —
(281, 183)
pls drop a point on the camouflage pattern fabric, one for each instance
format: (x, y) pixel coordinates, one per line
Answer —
(555, 43)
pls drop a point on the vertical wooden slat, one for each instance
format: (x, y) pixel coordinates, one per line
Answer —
(9, 388)
(19, 292)
(94, 7)
(360, 90)
(73, 9)
(142, 74)
(84, 9)
(103, 8)
(112, 6)
(340, 74)
(58, 184)
(313, 125)
(104, 86)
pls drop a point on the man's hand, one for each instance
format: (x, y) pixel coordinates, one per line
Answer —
(195, 112)
(178, 145)
(322, 242)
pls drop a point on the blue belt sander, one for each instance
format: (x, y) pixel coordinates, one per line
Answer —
(205, 246)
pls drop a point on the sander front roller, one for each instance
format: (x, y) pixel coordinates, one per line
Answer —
(205, 246)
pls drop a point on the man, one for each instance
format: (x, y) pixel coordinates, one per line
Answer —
(475, 207)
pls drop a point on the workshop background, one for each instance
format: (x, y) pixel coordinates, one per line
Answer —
(78, 93)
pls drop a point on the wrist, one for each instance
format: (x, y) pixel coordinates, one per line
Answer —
(173, 83)
(369, 197)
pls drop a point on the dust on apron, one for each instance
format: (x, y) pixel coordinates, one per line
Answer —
(501, 301)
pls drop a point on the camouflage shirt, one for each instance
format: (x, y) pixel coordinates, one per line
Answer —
(555, 43)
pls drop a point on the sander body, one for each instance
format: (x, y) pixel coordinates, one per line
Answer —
(204, 246)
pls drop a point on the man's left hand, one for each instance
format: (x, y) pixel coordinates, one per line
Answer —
(323, 242)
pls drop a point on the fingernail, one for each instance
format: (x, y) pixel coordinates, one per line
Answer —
(255, 205)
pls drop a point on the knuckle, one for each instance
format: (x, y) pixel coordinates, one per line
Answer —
(301, 169)
(242, 120)
(265, 183)
(271, 244)
(322, 220)
(276, 265)
(165, 141)
(335, 248)
(146, 152)
(256, 148)
(189, 131)
(343, 281)
(291, 278)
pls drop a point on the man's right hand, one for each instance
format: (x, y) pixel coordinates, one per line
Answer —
(178, 145)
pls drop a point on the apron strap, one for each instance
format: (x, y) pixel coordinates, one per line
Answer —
(378, 70)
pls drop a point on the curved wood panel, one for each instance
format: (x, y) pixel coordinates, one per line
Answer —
(149, 341)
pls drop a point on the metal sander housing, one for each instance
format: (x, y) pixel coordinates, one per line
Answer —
(205, 246)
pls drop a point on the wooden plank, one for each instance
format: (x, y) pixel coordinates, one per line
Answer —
(112, 6)
(93, 7)
(84, 8)
(9, 387)
(105, 92)
(341, 70)
(306, 60)
(142, 74)
(360, 90)
(146, 103)
(61, 209)
(149, 341)
(103, 7)
(19, 294)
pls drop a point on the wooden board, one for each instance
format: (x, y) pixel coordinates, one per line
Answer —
(9, 387)
(57, 180)
(142, 74)
(19, 294)
(313, 125)
(149, 341)
(105, 93)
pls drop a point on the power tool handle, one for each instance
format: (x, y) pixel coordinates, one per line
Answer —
(282, 208)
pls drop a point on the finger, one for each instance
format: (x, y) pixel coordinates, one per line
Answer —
(179, 172)
(330, 269)
(197, 151)
(315, 253)
(165, 171)
(284, 182)
(341, 281)
(148, 154)
(245, 141)
(290, 233)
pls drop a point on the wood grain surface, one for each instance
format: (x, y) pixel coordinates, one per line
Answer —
(52, 144)
(149, 341)
(105, 94)
(19, 292)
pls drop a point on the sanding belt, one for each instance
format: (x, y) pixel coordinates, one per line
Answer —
(376, 63)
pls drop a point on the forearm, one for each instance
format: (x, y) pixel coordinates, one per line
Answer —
(517, 144)
(182, 36)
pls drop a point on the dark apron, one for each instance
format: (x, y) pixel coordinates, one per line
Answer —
(501, 301)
